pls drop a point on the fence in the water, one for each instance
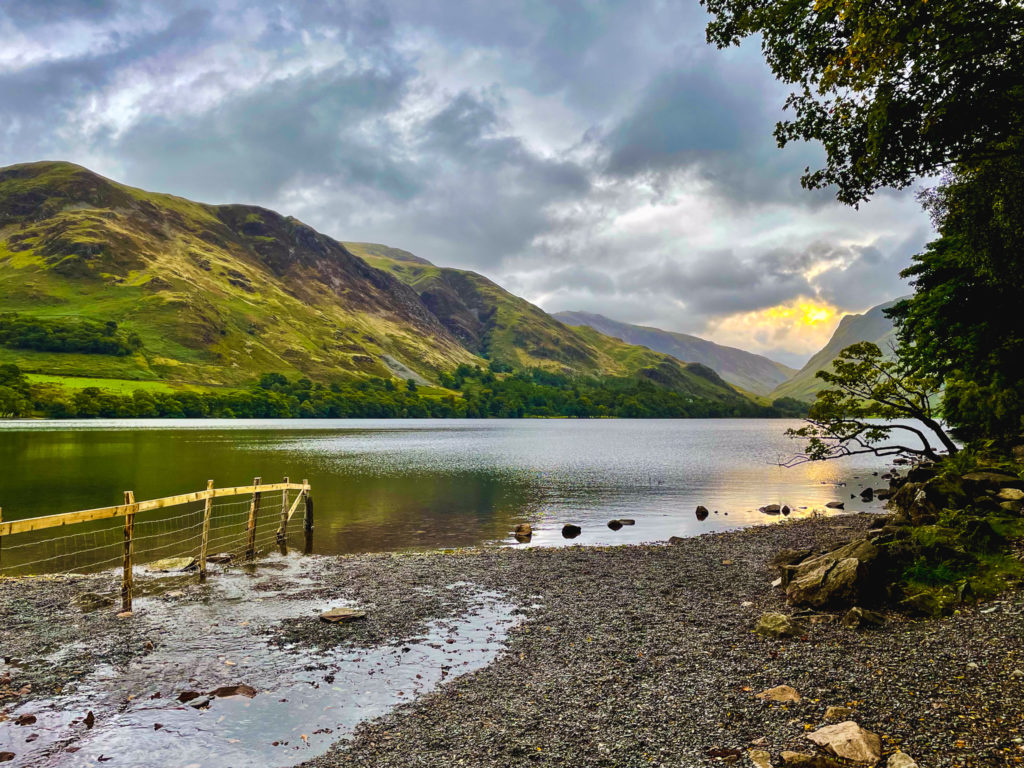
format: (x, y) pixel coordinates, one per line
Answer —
(176, 533)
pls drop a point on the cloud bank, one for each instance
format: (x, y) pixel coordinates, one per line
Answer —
(595, 156)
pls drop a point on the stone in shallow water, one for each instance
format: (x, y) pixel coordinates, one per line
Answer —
(340, 615)
(570, 531)
(171, 564)
(234, 690)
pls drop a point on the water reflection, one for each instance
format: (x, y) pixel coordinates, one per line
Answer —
(424, 484)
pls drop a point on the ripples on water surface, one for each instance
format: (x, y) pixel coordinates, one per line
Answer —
(385, 485)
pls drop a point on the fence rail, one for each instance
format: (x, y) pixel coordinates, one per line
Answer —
(207, 523)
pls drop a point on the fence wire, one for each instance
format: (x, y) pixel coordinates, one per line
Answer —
(158, 536)
(80, 566)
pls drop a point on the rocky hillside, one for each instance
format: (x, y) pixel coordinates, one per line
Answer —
(216, 294)
(753, 373)
(872, 326)
(508, 330)
(108, 281)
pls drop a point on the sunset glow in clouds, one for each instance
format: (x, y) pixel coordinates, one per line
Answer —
(801, 325)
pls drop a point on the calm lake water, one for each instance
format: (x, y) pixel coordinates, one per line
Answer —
(419, 484)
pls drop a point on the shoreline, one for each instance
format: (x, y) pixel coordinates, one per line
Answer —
(625, 655)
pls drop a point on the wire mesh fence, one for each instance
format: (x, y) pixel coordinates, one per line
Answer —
(180, 534)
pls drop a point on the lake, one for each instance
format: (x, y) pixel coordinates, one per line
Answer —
(425, 484)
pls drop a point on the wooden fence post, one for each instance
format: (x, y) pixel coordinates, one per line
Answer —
(129, 533)
(254, 509)
(282, 529)
(307, 518)
(207, 510)
(1, 544)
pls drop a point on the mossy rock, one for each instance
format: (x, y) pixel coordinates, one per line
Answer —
(932, 602)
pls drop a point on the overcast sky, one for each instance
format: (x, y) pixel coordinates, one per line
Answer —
(597, 156)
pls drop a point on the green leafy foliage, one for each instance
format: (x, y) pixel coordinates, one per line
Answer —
(892, 91)
(867, 392)
(66, 335)
(473, 392)
(964, 322)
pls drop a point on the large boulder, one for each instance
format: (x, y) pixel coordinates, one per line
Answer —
(788, 557)
(839, 577)
(991, 480)
(848, 740)
(830, 582)
(922, 472)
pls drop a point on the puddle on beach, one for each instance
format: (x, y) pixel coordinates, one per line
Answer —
(306, 698)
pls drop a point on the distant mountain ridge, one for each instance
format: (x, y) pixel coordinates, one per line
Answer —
(746, 370)
(872, 326)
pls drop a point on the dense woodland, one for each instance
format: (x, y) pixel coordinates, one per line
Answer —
(66, 335)
(471, 392)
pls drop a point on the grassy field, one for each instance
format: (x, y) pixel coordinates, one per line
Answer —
(120, 386)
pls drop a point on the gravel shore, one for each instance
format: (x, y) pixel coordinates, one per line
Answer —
(625, 656)
(645, 656)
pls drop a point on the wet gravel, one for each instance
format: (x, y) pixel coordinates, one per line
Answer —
(626, 656)
(644, 655)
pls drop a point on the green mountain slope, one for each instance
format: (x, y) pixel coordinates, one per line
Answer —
(111, 283)
(509, 330)
(746, 370)
(872, 326)
(215, 294)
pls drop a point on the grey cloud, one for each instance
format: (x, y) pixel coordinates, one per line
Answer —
(380, 147)
(311, 126)
(713, 120)
(44, 96)
(33, 12)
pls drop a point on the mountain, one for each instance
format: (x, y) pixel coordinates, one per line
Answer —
(508, 330)
(104, 280)
(872, 326)
(753, 373)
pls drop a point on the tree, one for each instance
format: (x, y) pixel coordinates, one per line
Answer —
(892, 90)
(865, 387)
(964, 323)
(12, 403)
